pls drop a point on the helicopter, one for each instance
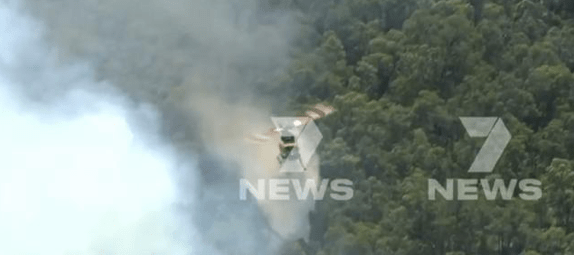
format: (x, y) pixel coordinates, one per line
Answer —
(286, 134)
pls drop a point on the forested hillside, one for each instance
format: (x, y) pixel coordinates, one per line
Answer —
(400, 73)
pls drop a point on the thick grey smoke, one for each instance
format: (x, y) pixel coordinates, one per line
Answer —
(77, 175)
(200, 62)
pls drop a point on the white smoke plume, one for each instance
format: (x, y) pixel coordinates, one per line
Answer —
(200, 62)
(77, 173)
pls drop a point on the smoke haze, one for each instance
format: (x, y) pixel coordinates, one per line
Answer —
(150, 101)
(76, 175)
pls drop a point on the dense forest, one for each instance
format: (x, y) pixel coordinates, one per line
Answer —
(400, 73)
